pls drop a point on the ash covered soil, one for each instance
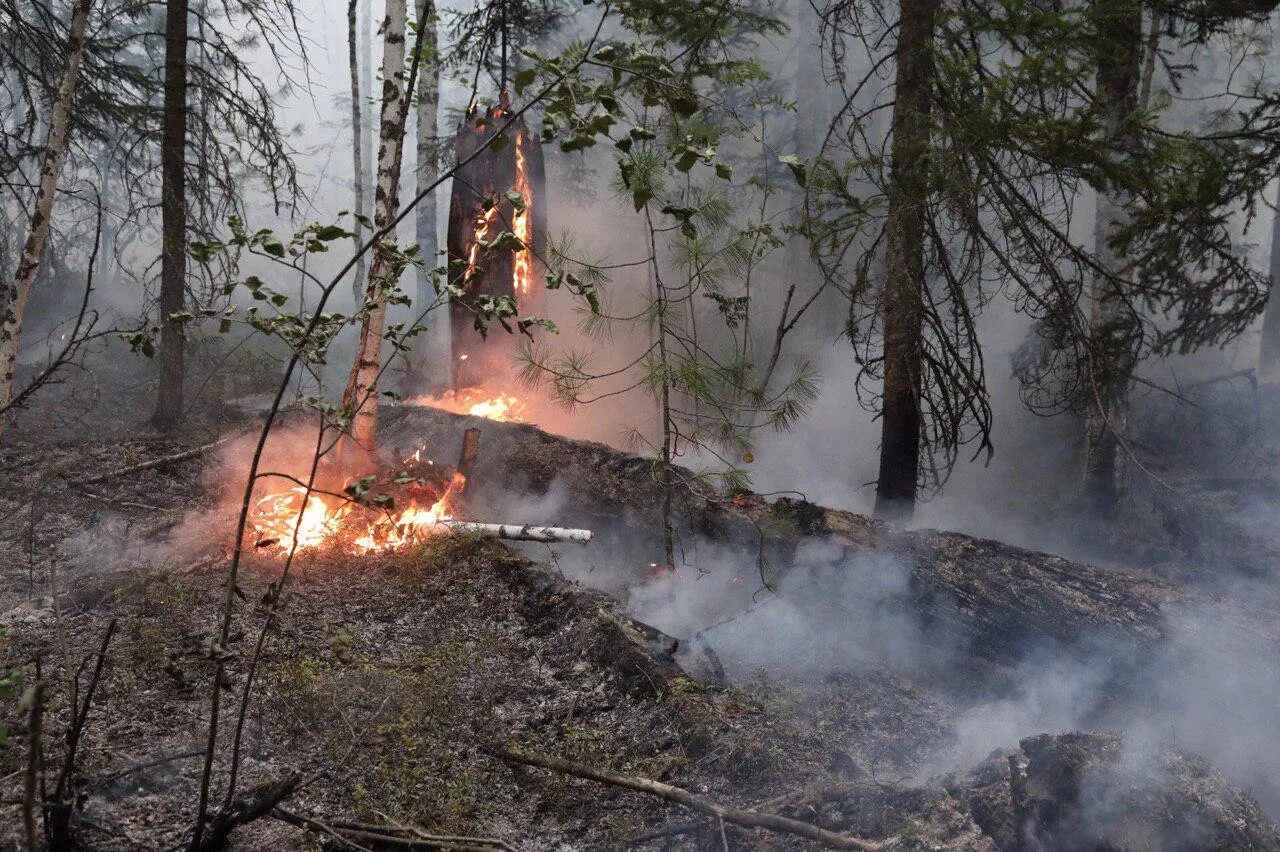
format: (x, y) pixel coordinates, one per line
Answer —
(390, 678)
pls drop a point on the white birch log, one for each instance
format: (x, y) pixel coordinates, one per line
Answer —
(521, 532)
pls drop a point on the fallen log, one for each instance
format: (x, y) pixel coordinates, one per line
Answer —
(520, 532)
(186, 455)
(737, 816)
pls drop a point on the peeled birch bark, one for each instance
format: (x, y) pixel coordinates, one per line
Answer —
(362, 389)
(15, 299)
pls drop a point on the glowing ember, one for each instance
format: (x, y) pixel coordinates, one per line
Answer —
(477, 402)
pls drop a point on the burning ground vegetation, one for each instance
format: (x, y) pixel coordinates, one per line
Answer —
(425, 686)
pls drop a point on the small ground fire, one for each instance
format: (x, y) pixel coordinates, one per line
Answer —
(400, 509)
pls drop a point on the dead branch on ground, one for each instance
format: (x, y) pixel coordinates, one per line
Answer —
(393, 837)
(186, 455)
(737, 816)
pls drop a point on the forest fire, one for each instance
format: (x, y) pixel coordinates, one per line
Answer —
(477, 402)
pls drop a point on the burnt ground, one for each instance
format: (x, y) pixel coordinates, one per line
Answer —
(389, 675)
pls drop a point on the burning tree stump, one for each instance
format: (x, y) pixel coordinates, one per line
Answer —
(480, 213)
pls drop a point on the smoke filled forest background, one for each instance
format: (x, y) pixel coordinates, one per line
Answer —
(655, 424)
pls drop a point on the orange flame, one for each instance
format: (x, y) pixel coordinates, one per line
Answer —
(281, 522)
(503, 407)
(483, 222)
(522, 226)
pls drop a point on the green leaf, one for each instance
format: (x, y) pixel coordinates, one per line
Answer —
(522, 79)
(724, 172)
(331, 232)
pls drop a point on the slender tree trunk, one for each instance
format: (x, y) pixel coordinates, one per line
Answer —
(1119, 25)
(368, 130)
(357, 142)
(428, 106)
(904, 263)
(362, 389)
(15, 295)
(173, 215)
(1269, 355)
(809, 123)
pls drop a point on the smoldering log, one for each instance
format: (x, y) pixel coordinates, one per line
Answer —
(521, 532)
(479, 211)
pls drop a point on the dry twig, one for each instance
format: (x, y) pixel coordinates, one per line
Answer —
(393, 836)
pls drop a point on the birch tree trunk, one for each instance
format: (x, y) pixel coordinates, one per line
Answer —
(357, 141)
(904, 263)
(173, 216)
(1119, 25)
(428, 106)
(1269, 354)
(362, 388)
(15, 297)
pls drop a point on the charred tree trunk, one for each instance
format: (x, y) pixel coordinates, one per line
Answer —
(478, 213)
(1119, 29)
(173, 216)
(1269, 355)
(362, 389)
(904, 263)
(428, 107)
(15, 297)
(358, 144)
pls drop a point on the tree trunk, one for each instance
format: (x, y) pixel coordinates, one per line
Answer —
(362, 389)
(173, 216)
(368, 131)
(1269, 355)
(904, 263)
(428, 105)
(1119, 27)
(357, 142)
(15, 297)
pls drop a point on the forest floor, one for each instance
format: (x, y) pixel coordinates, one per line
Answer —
(392, 678)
